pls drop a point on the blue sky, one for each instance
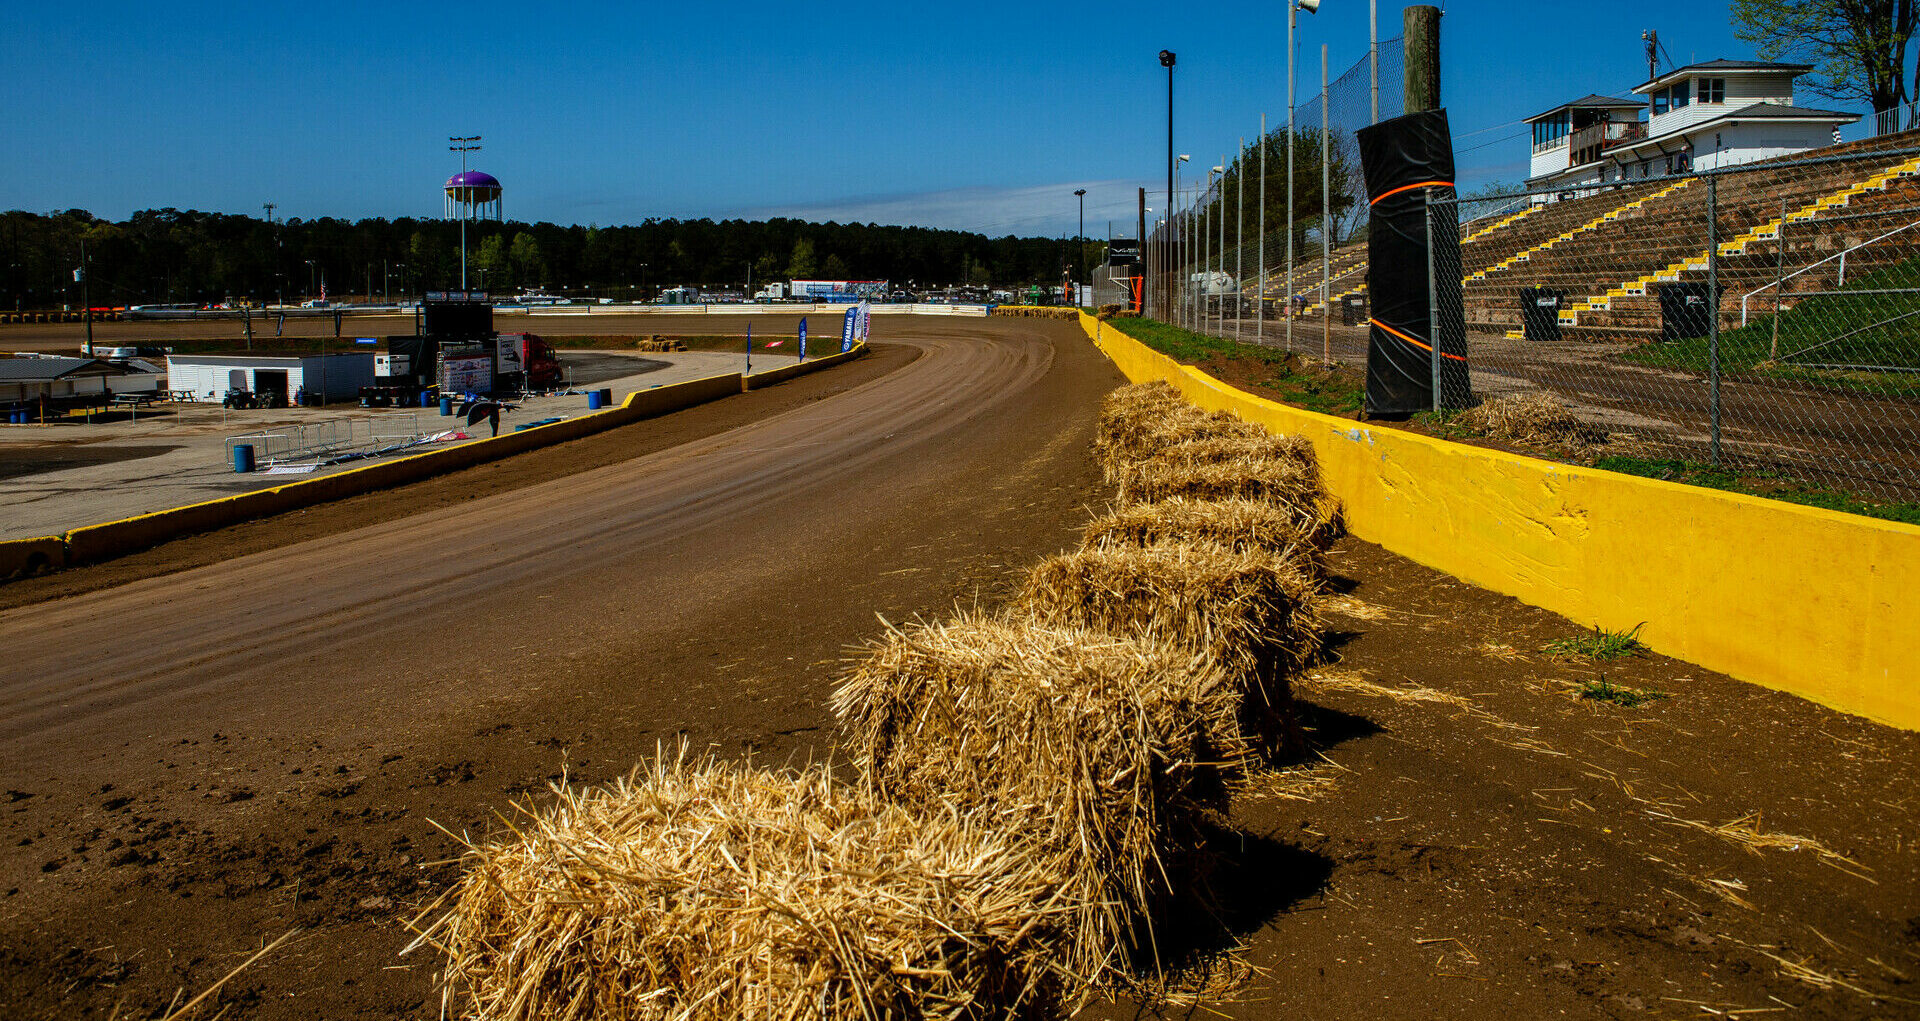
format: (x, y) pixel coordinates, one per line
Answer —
(983, 116)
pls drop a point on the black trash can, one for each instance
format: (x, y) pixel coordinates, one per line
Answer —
(1684, 311)
(1540, 313)
(1353, 310)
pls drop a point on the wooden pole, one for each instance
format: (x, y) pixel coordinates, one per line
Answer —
(1422, 27)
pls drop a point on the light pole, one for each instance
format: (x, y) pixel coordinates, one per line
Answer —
(1080, 242)
(1166, 61)
(464, 145)
(1214, 212)
(313, 277)
(1294, 7)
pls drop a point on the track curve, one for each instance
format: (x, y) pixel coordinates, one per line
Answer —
(705, 590)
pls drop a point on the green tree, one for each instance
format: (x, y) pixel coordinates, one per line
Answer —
(835, 268)
(529, 266)
(802, 265)
(1858, 48)
(491, 256)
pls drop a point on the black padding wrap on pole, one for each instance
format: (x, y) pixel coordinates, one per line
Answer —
(1408, 163)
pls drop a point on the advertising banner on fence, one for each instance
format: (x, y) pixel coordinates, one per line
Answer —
(848, 326)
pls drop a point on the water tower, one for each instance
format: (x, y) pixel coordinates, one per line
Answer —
(471, 194)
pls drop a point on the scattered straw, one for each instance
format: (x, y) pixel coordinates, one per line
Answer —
(1747, 832)
(1339, 680)
(1101, 751)
(716, 891)
(1532, 417)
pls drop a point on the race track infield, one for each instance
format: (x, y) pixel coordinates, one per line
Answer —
(251, 732)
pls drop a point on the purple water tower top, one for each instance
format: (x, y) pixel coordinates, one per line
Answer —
(473, 179)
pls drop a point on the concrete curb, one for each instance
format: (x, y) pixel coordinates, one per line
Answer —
(1808, 601)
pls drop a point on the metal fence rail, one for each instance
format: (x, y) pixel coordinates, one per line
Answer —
(1764, 318)
(319, 442)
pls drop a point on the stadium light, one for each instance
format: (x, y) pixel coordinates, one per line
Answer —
(1293, 9)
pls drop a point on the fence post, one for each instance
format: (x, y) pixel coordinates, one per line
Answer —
(1779, 278)
(1713, 312)
(1433, 304)
(1260, 293)
(1326, 221)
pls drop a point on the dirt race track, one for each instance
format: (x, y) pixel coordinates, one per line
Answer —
(229, 738)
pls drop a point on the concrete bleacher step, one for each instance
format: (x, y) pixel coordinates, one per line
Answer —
(1593, 224)
(1770, 230)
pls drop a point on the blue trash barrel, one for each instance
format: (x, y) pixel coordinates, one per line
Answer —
(446, 405)
(426, 398)
(593, 400)
(243, 457)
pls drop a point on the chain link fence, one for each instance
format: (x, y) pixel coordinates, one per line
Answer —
(1763, 319)
(1226, 256)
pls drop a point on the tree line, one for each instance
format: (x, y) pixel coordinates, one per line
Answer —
(167, 256)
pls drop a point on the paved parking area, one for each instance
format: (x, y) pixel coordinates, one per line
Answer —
(62, 476)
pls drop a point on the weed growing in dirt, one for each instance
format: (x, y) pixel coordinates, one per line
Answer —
(1602, 690)
(1601, 644)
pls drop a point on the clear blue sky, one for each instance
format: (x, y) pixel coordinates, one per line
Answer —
(981, 116)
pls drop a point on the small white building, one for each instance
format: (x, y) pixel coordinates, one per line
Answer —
(338, 375)
(1700, 117)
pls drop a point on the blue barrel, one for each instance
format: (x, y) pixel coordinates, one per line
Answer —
(243, 457)
(426, 398)
(446, 405)
(593, 400)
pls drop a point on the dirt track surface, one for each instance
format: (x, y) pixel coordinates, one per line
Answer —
(203, 751)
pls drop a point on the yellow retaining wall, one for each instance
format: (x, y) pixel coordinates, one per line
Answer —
(1803, 600)
(19, 556)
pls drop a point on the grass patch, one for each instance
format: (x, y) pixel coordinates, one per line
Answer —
(1601, 644)
(1841, 329)
(1603, 690)
(1270, 372)
(1769, 485)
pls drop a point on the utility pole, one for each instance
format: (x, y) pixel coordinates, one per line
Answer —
(1140, 252)
(1422, 27)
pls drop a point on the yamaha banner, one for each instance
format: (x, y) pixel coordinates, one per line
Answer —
(1417, 334)
(847, 327)
(803, 339)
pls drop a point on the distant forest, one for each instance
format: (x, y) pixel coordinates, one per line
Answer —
(171, 256)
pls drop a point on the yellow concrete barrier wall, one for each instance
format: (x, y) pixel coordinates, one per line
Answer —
(1809, 601)
(786, 372)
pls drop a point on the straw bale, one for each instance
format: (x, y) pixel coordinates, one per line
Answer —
(1139, 421)
(697, 891)
(1243, 526)
(1252, 613)
(1103, 751)
(1287, 483)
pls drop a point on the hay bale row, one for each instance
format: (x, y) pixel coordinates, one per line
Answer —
(1031, 784)
(715, 891)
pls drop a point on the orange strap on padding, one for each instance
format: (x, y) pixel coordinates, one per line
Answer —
(1410, 187)
(1416, 343)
